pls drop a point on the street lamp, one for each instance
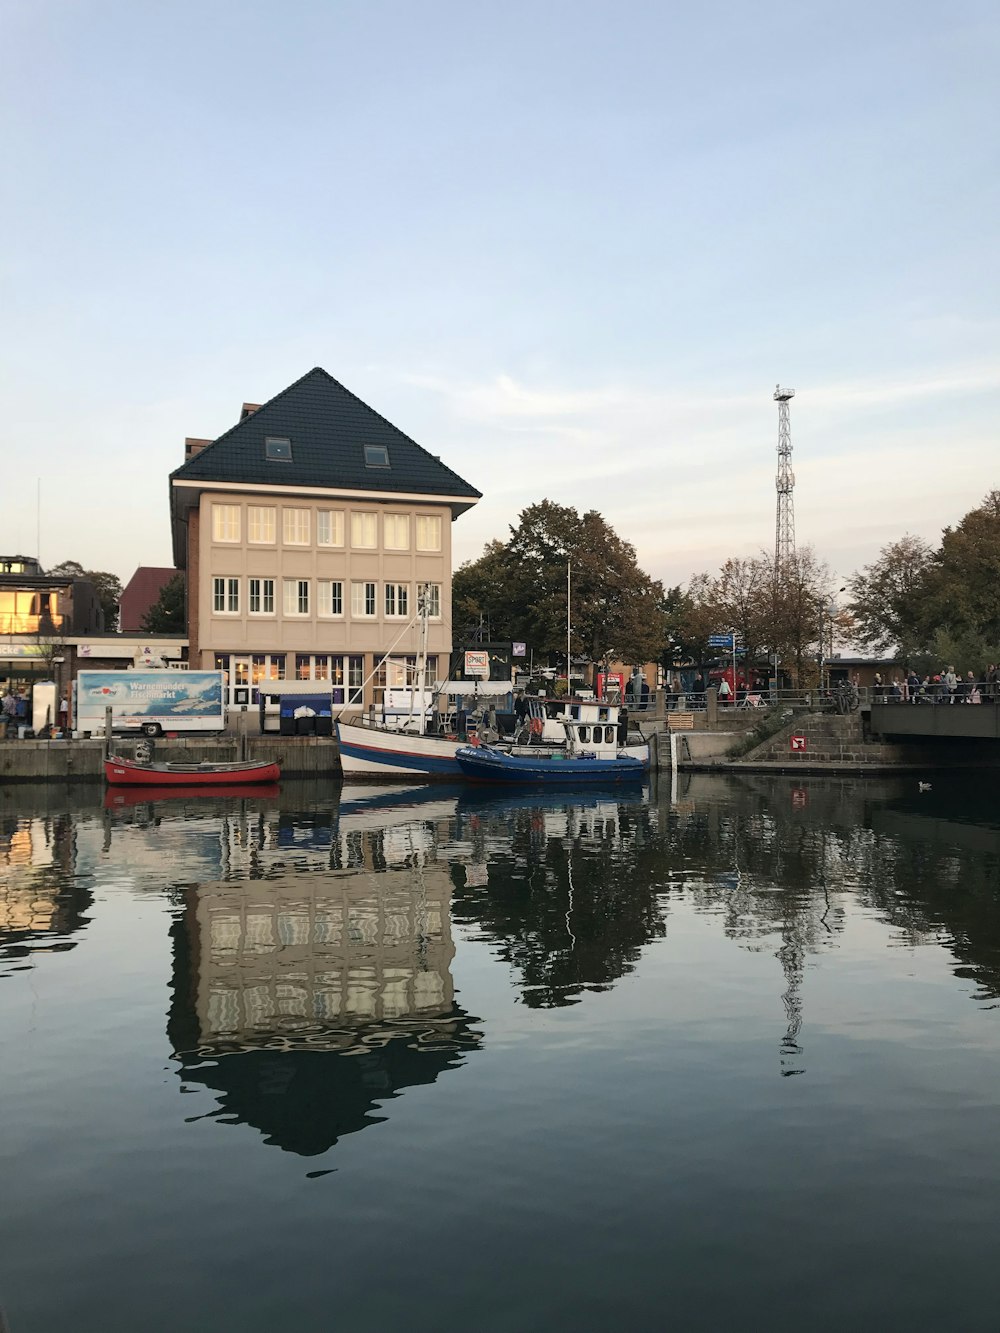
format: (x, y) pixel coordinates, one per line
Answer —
(831, 611)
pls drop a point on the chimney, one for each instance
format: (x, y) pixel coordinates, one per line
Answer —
(248, 410)
(193, 446)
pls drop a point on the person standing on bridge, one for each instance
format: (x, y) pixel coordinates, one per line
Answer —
(951, 683)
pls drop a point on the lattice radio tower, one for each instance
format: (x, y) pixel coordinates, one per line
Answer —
(784, 527)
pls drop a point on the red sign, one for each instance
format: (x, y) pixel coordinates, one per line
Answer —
(798, 744)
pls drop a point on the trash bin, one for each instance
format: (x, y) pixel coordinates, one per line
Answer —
(305, 726)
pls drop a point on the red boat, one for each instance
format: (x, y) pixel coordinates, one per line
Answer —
(127, 773)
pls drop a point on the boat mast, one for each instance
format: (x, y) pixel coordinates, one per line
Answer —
(569, 593)
(423, 610)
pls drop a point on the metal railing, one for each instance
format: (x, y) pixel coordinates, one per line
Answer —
(937, 692)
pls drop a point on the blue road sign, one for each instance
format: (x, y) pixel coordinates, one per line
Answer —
(720, 641)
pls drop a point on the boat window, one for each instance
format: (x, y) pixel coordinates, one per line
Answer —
(584, 733)
(603, 714)
(575, 711)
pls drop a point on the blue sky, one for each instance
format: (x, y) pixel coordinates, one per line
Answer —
(570, 247)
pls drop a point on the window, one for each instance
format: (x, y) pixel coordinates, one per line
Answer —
(312, 666)
(225, 523)
(397, 599)
(376, 455)
(268, 666)
(330, 527)
(362, 599)
(428, 532)
(396, 529)
(431, 593)
(364, 531)
(226, 596)
(260, 524)
(277, 449)
(296, 597)
(295, 527)
(262, 597)
(355, 677)
(331, 597)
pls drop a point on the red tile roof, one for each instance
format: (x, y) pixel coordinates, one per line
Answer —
(141, 591)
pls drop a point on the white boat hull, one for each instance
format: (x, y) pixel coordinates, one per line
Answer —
(395, 756)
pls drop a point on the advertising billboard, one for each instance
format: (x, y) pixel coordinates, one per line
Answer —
(148, 700)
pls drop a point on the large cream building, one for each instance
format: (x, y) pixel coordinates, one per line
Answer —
(306, 532)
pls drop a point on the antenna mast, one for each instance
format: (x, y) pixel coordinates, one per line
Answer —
(784, 528)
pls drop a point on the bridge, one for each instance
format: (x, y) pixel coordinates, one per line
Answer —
(948, 721)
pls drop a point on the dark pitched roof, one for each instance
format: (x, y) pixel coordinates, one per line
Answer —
(329, 428)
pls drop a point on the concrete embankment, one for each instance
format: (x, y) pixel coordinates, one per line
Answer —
(81, 761)
(829, 743)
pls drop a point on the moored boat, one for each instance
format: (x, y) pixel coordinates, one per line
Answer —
(484, 763)
(419, 747)
(119, 772)
(589, 754)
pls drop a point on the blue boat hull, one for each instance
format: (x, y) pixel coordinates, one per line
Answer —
(485, 765)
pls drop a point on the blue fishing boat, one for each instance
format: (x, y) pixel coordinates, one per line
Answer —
(589, 754)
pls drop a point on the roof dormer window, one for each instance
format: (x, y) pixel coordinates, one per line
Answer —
(277, 449)
(376, 455)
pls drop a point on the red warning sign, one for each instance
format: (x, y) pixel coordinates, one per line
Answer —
(798, 744)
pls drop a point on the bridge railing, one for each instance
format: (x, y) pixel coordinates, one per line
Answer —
(937, 692)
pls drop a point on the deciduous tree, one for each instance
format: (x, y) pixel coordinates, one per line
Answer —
(520, 588)
(886, 596)
(108, 587)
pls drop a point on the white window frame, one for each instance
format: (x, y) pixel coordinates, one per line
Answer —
(396, 595)
(432, 522)
(324, 597)
(364, 593)
(294, 522)
(261, 519)
(226, 590)
(329, 527)
(364, 523)
(265, 594)
(292, 597)
(225, 523)
(434, 595)
(390, 522)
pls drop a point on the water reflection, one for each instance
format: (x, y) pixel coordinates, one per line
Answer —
(41, 905)
(305, 1002)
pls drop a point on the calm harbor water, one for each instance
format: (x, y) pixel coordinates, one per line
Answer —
(720, 1057)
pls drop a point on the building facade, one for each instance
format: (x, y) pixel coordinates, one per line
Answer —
(309, 532)
(39, 616)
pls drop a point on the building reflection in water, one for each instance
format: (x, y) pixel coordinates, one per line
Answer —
(41, 904)
(304, 1003)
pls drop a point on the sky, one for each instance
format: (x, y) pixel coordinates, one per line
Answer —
(570, 247)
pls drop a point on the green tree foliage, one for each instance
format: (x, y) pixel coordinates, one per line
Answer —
(960, 593)
(168, 614)
(936, 607)
(801, 598)
(518, 588)
(786, 616)
(886, 595)
(108, 587)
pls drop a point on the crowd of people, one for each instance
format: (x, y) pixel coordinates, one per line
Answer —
(950, 687)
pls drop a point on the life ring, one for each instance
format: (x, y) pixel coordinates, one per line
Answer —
(537, 726)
